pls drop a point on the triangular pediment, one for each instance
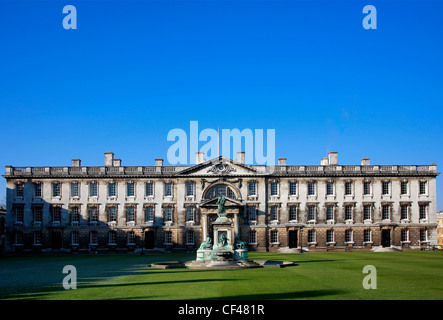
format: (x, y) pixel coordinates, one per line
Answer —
(219, 166)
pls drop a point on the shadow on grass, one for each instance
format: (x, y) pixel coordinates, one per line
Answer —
(326, 260)
(41, 292)
(308, 294)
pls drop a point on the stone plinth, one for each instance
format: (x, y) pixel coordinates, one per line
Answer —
(240, 254)
(204, 254)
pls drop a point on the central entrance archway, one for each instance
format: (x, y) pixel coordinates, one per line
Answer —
(221, 189)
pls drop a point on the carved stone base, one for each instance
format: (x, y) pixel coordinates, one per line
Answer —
(240, 254)
(203, 254)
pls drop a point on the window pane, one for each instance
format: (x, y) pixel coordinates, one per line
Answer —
(311, 213)
(385, 187)
(422, 187)
(131, 189)
(329, 236)
(56, 191)
(252, 189)
(404, 212)
(274, 188)
(189, 189)
(112, 190)
(311, 189)
(292, 188)
(38, 189)
(252, 236)
(348, 212)
(149, 189)
(422, 211)
(274, 213)
(38, 213)
(404, 187)
(19, 189)
(293, 213)
(348, 188)
(130, 214)
(150, 214)
(75, 214)
(252, 212)
(366, 188)
(329, 188)
(168, 189)
(74, 189)
(93, 190)
(367, 212)
(189, 213)
(385, 212)
(168, 213)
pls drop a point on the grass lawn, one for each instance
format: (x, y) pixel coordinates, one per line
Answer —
(338, 275)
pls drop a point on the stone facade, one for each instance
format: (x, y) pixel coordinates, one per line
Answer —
(280, 208)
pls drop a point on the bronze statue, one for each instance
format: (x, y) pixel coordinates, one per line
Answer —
(222, 240)
(221, 205)
(238, 244)
(206, 244)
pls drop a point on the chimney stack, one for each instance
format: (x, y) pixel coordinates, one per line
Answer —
(333, 159)
(324, 161)
(241, 157)
(281, 161)
(159, 162)
(365, 161)
(199, 157)
(117, 162)
(109, 159)
(76, 162)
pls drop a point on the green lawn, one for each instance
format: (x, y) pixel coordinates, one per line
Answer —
(338, 275)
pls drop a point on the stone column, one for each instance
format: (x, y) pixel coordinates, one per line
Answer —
(236, 229)
(204, 218)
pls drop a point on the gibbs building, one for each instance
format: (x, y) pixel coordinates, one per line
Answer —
(281, 208)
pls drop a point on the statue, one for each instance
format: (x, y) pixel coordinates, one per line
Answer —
(238, 244)
(221, 206)
(222, 240)
(206, 244)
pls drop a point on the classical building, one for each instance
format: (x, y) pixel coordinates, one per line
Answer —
(278, 208)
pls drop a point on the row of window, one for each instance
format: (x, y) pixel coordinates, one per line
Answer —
(112, 190)
(93, 214)
(218, 190)
(330, 236)
(93, 237)
(330, 188)
(93, 189)
(274, 237)
(330, 212)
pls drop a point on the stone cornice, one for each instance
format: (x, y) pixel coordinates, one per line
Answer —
(179, 172)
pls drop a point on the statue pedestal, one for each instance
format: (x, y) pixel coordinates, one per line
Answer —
(223, 219)
(204, 254)
(222, 228)
(240, 254)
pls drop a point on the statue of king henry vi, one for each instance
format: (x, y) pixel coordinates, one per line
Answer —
(221, 205)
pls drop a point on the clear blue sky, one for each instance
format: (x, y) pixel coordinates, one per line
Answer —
(133, 70)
